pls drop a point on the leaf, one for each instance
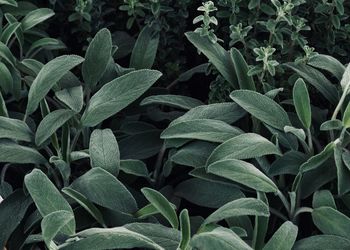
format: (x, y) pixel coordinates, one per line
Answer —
(117, 94)
(317, 160)
(201, 192)
(12, 211)
(104, 151)
(35, 17)
(48, 76)
(323, 198)
(72, 97)
(6, 80)
(217, 55)
(240, 207)
(102, 188)
(244, 80)
(15, 129)
(110, 238)
(85, 203)
(162, 205)
(343, 173)
(201, 129)
(289, 163)
(49, 125)
(330, 221)
(14, 153)
(302, 102)
(46, 42)
(6, 54)
(145, 49)
(261, 225)
(185, 229)
(331, 125)
(9, 2)
(261, 107)
(244, 146)
(97, 57)
(328, 63)
(176, 101)
(283, 238)
(346, 117)
(345, 80)
(219, 238)
(53, 223)
(244, 173)
(134, 167)
(318, 242)
(316, 79)
(47, 198)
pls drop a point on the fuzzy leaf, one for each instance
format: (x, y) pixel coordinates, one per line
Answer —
(302, 102)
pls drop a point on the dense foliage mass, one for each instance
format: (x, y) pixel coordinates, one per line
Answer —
(163, 124)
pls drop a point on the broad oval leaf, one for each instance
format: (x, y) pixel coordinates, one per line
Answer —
(12, 152)
(240, 207)
(261, 107)
(162, 205)
(177, 101)
(243, 173)
(48, 76)
(201, 129)
(47, 198)
(283, 238)
(117, 94)
(72, 97)
(323, 198)
(134, 167)
(35, 17)
(15, 129)
(245, 146)
(51, 123)
(97, 57)
(104, 151)
(328, 63)
(302, 102)
(318, 242)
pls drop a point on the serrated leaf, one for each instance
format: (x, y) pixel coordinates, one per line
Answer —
(51, 123)
(117, 94)
(15, 129)
(201, 129)
(104, 151)
(261, 107)
(240, 207)
(35, 17)
(245, 146)
(301, 102)
(162, 205)
(97, 57)
(243, 173)
(283, 238)
(48, 76)
(47, 198)
(11, 152)
(176, 101)
(72, 97)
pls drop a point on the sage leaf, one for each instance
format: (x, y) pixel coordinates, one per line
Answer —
(302, 102)
(283, 238)
(6, 80)
(35, 17)
(15, 129)
(12, 152)
(244, 80)
(134, 167)
(72, 97)
(177, 101)
(185, 229)
(324, 241)
(323, 198)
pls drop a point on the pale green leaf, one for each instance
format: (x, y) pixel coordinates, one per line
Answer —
(177, 101)
(11, 152)
(35, 17)
(302, 102)
(283, 238)
(15, 129)
(72, 97)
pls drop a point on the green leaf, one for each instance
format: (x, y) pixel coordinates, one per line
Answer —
(185, 229)
(53, 223)
(118, 94)
(261, 107)
(9, 31)
(35, 17)
(328, 63)
(44, 43)
(261, 225)
(162, 205)
(217, 55)
(245, 146)
(240, 207)
(134, 167)
(6, 80)
(97, 57)
(331, 125)
(111, 238)
(145, 49)
(318, 242)
(283, 238)
(15, 129)
(85, 203)
(47, 198)
(72, 97)
(201, 129)
(48, 76)
(49, 125)
(6, 54)
(9, 2)
(201, 192)
(244, 173)
(302, 102)
(104, 189)
(330, 221)
(11, 152)
(323, 198)
(176, 101)
(104, 151)
(220, 238)
(317, 160)
(244, 80)
(12, 211)
(346, 117)
(343, 172)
